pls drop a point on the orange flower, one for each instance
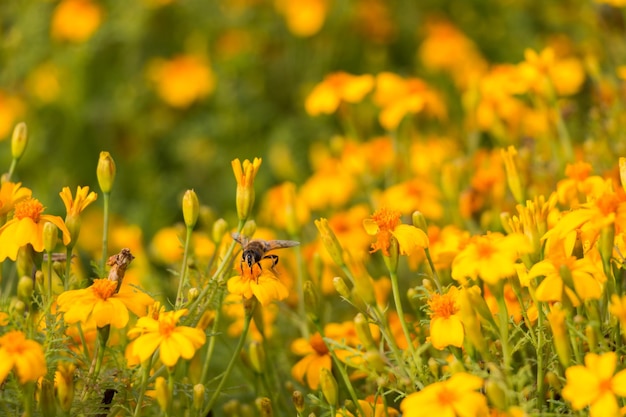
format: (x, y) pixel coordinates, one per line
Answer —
(25, 355)
(544, 72)
(385, 225)
(10, 194)
(304, 17)
(100, 302)
(316, 356)
(579, 185)
(182, 80)
(75, 20)
(336, 88)
(259, 281)
(26, 227)
(446, 328)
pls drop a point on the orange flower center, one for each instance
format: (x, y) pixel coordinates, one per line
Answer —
(446, 397)
(30, 207)
(485, 249)
(104, 288)
(13, 342)
(442, 306)
(608, 203)
(167, 324)
(578, 171)
(318, 345)
(386, 219)
(606, 385)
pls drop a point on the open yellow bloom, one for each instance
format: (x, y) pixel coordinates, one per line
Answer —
(26, 227)
(100, 302)
(446, 328)
(491, 257)
(10, 194)
(336, 88)
(259, 281)
(595, 384)
(385, 225)
(544, 71)
(456, 396)
(75, 20)
(75, 206)
(25, 355)
(163, 333)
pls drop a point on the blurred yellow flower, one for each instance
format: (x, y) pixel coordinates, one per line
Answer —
(101, 303)
(10, 194)
(336, 88)
(415, 194)
(398, 97)
(455, 397)
(617, 308)
(491, 257)
(371, 408)
(544, 72)
(11, 108)
(304, 17)
(446, 328)
(595, 384)
(579, 185)
(374, 21)
(385, 225)
(163, 333)
(182, 80)
(259, 281)
(26, 227)
(24, 355)
(44, 82)
(75, 20)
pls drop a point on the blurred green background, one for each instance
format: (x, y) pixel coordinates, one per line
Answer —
(83, 96)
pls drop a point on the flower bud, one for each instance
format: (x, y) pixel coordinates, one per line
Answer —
(206, 320)
(105, 172)
(192, 294)
(19, 140)
(50, 236)
(245, 174)
(163, 395)
(25, 289)
(363, 331)
(249, 228)
(433, 366)
(512, 175)
(329, 387)
(257, 357)
(496, 393)
(198, 396)
(311, 301)
(220, 227)
(419, 221)
(375, 360)
(46, 398)
(298, 401)
(64, 382)
(330, 241)
(191, 208)
(560, 337)
(341, 287)
(265, 406)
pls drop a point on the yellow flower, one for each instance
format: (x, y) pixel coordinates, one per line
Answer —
(336, 88)
(456, 396)
(182, 80)
(565, 275)
(44, 82)
(26, 227)
(595, 384)
(11, 107)
(259, 281)
(316, 356)
(491, 257)
(543, 71)
(398, 97)
(618, 309)
(371, 408)
(304, 17)
(385, 225)
(245, 174)
(75, 206)
(75, 20)
(163, 333)
(579, 185)
(100, 302)
(446, 328)
(10, 194)
(25, 355)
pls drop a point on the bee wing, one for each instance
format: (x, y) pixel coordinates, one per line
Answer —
(241, 239)
(277, 244)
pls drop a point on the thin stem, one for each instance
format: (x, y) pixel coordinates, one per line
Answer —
(504, 336)
(183, 270)
(68, 267)
(395, 289)
(49, 289)
(304, 329)
(144, 383)
(229, 368)
(540, 365)
(11, 169)
(434, 271)
(105, 233)
(211, 345)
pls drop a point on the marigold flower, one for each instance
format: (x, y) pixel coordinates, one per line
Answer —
(595, 384)
(544, 71)
(44, 82)
(10, 194)
(245, 174)
(371, 408)
(75, 206)
(26, 227)
(304, 17)
(163, 333)
(24, 355)
(446, 328)
(491, 257)
(336, 88)
(100, 302)
(454, 397)
(316, 356)
(385, 225)
(259, 281)
(75, 20)
(182, 80)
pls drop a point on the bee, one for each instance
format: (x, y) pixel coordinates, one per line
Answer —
(254, 250)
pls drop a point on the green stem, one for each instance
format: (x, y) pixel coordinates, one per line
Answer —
(540, 365)
(304, 329)
(11, 169)
(105, 233)
(229, 368)
(434, 271)
(68, 267)
(29, 396)
(504, 335)
(183, 270)
(211, 345)
(144, 383)
(49, 289)
(395, 289)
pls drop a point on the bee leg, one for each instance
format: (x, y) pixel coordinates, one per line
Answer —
(274, 259)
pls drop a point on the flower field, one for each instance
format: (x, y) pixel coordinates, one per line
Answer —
(313, 208)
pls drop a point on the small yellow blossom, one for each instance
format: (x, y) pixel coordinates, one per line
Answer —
(336, 88)
(596, 384)
(100, 302)
(259, 281)
(24, 355)
(316, 356)
(304, 17)
(446, 328)
(163, 333)
(455, 397)
(385, 225)
(75, 20)
(26, 227)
